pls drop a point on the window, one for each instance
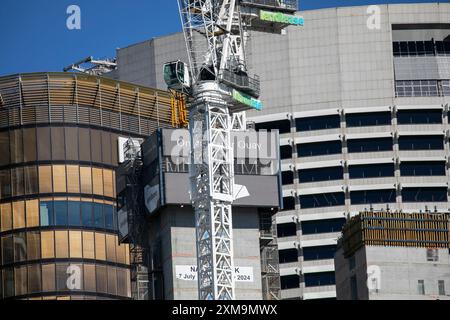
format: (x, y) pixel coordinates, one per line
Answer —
(321, 174)
(8, 281)
(419, 116)
(414, 48)
(288, 255)
(287, 178)
(73, 179)
(318, 253)
(4, 148)
(20, 247)
(446, 87)
(43, 143)
(100, 246)
(121, 254)
(322, 226)
(108, 183)
(319, 279)
(368, 119)
(318, 123)
(71, 143)
(373, 196)
(20, 275)
(86, 180)
(17, 182)
(101, 277)
(5, 184)
(47, 245)
(16, 146)
(59, 179)
(285, 152)
(441, 287)
(6, 217)
(109, 217)
(372, 171)
(416, 88)
(414, 169)
(106, 148)
(432, 255)
(322, 200)
(370, 145)
(99, 220)
(421, 143)
(289, 203)
(84, 144)
(74, 213)
(111, 245)
(424, 194)
(284, 126)
(18, 215)
(319, 148)
(112, 280)
(60, 209)
(96, 146)
(46, 213)
(290, 282)
(286, 230)
(86, 214)
(89, 278)
(75, 244)
(61, 276)
(34, 278)
(45, 179)
(33, 245)
(32, 213)
(31, 180)
(421, 287)
(62, 244)
(7, 247)
(88, 245)
(48, 278)
(58, 151)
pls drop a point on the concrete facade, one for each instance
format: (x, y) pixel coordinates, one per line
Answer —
(398, 273)
(335, 66)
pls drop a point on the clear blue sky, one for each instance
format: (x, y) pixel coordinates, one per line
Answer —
(34, 36)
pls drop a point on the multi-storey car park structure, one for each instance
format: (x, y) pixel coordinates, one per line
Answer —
(59, 150)
(363, 116)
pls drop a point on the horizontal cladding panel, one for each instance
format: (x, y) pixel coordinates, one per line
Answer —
(318, 138)
(317, 113)
(368, 109)
(371, 135)
(368, 187)
(356, 162)
(271, 117)
(419, 107)
(321, 190)
(319, 164)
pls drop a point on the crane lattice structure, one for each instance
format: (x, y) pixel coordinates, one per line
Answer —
(219, 87)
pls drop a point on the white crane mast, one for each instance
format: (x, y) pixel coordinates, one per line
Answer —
(219, 87)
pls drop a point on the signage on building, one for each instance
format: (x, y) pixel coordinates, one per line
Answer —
(281, 18)
(189, 273)
(247, 100)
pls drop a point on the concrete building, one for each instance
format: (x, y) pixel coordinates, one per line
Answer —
(59, 148)
(362, 110)
(169, 217)
(394, 256)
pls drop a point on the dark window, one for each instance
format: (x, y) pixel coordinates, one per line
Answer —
(321, 174)
(284, 126)
(74, 213)
(99, 220)
(414, 169)
(319, 148)
(318, 123)
(396, 49)
(322, 200)
(287, 177)
(373, 196)
(421, 143)
(370, 145)
(319, 279)
(290, 282)
(58, 150)
(368, 119)
(419, 116)
(288, 255)
(319, 253)
(86, 214)
(289, 203)
(109, 217)
(60, 208)
(285, 152)
(322, 226)
(286, 230)
(424, 194)
(372, 171)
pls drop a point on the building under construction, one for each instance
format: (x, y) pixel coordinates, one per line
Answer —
(157, 219)
(394, 255)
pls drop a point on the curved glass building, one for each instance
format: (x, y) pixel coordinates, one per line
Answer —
(58, 154)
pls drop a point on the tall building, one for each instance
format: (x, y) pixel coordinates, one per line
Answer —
(160, 200)
(59, 150)
(360, 96)
(394, 256)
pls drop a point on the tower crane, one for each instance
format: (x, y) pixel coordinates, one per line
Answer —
(219, 89)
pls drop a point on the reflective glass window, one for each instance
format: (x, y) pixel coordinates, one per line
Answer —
(7, 249)
(111, 244)
(6, 217)
(86, 214)
(89, 278)
(20, 247)
(20, 279)
(109, 217)
(31, 180)
(74, 213)
(43, 142)
(102, 278)
(16, 146)
(85, 144)
(290, 282)
(61, 276)
(75, 242)
(285, 152)
(99, 220)
(100, 246)
(86, 180)
(46, 213)
(112, 280)
(97, 181)
(73, 179)
(33, 245)
(88, 245)
(108, 183)
(48, 278)
(60, 209)
(286, 229)
(71, 143)
(62, 244)
(34, 278)
(96, 146)
(288, 203)
(4, 148)
(32, 213)
(58, 150)
(59, 179)
(30, 145)
(5, 183)
(19, 215)
(47, 245)
(8, 282)
(322, 226)
(106, 148)
(17, 182)
(45, 179)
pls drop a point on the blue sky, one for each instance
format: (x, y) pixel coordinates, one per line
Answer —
(34, 36)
